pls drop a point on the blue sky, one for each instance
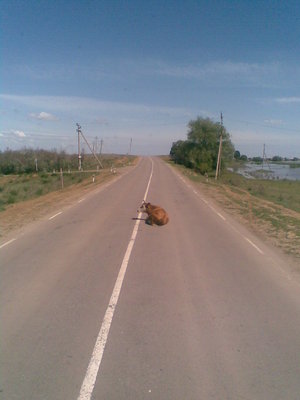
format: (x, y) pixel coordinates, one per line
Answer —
(144, 69)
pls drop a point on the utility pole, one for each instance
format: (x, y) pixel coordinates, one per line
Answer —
(130, 146)
(264, 158)
(79, 154)
(96, 157)
(218, 169)
(62, 178)
(101, 144)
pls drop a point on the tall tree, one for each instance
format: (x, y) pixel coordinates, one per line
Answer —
(200, 150)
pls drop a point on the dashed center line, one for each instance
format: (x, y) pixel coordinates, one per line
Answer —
(89, 381)
(6, 243)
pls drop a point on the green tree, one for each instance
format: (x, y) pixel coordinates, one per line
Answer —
(180, 152)
(277, 158)
(200, 150)
(237, 155)
(205, 134)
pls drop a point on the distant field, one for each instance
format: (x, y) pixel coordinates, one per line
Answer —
(26, 186)
(282, 192)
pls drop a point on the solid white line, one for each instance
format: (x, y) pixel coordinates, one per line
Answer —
(5, 244)
(221, 216)
(94, 365)
(55, 215)
(254, 245)
(147, 189)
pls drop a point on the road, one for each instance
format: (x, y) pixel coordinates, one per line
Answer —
(98, 305)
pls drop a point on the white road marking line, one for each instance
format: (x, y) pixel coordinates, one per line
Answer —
(6, 243)
(89, 381)
(147, 190)
(216, 212)
(79, 201)
(254, 245)
(55, 215)
(221, 216)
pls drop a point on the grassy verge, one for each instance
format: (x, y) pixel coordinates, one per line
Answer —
(270, 208)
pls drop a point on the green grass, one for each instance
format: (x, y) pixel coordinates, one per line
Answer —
(34, 185)
(17, 188)
(282, 192)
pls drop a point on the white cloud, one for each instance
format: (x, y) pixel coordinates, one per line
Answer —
(241, 72)
(273, 121)
(288, 100)
(65, 72)
(69, 104)
(43, 116)
(20, 134)
(14, 132)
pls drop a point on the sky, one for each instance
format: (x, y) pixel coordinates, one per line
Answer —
(134, 73)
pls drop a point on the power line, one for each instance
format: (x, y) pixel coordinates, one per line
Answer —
(80, 133)
(265, 125)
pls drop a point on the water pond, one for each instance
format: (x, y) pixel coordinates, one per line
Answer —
(252, 170)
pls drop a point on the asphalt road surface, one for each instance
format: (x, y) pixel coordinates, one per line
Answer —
(98, 305)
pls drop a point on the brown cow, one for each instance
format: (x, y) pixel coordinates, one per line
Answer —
(156, 214)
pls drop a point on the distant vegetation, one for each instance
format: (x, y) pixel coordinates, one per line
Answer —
(27, 174)
(200, 150)
(259, 160)
(30, 161)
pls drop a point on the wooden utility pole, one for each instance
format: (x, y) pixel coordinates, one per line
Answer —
(62, 178)
(94, 154)
(79, 153)
(218, 169)
(264, 158)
